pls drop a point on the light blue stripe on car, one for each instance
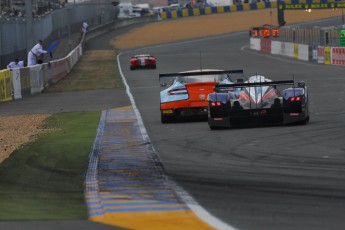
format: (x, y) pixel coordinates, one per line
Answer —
(165, 97)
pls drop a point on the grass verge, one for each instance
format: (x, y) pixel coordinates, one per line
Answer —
(44, 180)
(96, 69)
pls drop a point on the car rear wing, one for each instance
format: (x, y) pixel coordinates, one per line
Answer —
(253, 84)
(201, 73)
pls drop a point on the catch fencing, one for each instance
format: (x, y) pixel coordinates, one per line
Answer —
(319, 45)
(49, 27)
(327, 36)
(22, 82)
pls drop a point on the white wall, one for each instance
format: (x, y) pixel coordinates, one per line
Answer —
(220, 2)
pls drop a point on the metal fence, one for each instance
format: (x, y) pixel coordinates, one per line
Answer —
(327, 36)
(49, 27)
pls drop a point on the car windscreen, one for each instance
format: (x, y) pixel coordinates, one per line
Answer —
(293, 92)
(202, 78)
(143, 56)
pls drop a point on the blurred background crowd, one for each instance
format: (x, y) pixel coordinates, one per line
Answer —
(17, 7)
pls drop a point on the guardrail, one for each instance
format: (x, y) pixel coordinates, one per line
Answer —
(21, 82)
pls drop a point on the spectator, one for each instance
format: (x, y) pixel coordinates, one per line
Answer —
(36, 53)
(85, 27)
(15, 64)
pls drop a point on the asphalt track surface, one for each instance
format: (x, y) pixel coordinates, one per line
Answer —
(289, 177)
(49, 103)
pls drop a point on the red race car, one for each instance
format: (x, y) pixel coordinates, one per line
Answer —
(143, 61)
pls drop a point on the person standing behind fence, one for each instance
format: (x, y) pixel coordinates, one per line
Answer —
(85, 27)
(15, 64)
(36, 53)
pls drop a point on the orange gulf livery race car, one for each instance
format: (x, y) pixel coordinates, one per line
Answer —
(186, 93)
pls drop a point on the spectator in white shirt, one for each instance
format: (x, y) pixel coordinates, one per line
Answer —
(35, 53)
(85, 27)
(15, 64)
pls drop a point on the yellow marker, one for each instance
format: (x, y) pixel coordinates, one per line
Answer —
(178, 220)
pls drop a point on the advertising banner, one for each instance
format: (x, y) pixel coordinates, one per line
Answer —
(338, 56)
(327, 53)
(6, 89)
(17, 88)
(320, 54)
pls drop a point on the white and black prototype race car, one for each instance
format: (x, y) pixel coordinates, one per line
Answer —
(258, 101)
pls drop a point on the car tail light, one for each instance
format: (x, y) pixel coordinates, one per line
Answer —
(243, 96)
(294, 105)
(216, 103)
(178, 91)
(295, 99)
(150, 61)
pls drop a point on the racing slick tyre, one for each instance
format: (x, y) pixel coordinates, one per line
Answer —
(132, 68)
(305, 121)
(213, 127)
(154, 67)
(167, 119)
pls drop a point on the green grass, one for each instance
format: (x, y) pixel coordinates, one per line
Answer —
(45, 179)
(94, 70)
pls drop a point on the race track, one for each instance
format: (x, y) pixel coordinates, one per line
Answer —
(252, 178)
(289, 177)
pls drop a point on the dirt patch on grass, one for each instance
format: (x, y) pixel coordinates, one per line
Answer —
(18, 130)
(215, 24)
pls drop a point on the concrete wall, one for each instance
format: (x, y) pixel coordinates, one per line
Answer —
(328, 55)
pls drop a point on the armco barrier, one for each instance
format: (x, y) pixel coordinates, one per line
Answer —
(18, 83)
(216, 10)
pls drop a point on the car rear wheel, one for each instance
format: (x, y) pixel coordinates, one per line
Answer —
(167, 119)
(213, 127)
(305, 121)
(132, 68)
